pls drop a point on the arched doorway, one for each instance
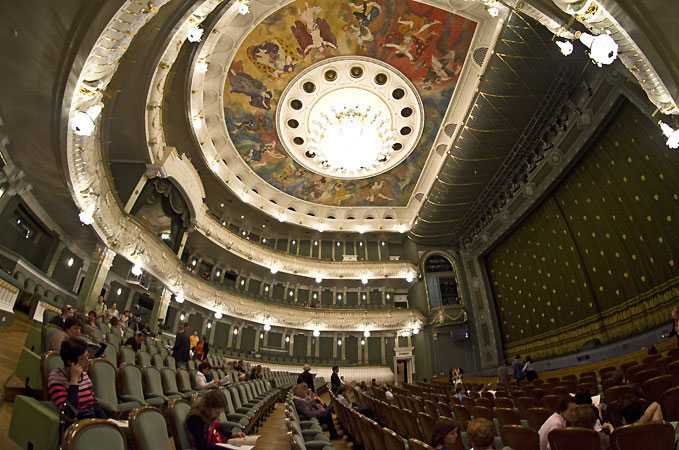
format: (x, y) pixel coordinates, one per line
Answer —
(441, 282)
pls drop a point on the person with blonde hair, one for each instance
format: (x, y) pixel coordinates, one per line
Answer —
(481, 434)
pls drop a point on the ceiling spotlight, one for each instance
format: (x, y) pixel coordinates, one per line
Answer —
(83, 122)
(137, 270)
(179, 297)
(194, 34)
(209, 325)
(218, 315)
(221, 205)
(566, 47)
(243, 7)
(267, 327)
(671, 134)
(366, 333)
(316, 332)
(242, 217)
(70, 261)
(201, 67)
(119, 291)
(603, 49)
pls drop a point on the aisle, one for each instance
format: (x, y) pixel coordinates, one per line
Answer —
(273, 433)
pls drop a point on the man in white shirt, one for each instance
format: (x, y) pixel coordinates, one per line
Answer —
(566, 412)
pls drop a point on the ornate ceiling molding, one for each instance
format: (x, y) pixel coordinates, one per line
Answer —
(594, 15)
(92, 191)
(206, 110)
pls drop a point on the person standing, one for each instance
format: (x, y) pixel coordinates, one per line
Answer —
(503, 374)
(675, 323)
(517, 368)
(307, 378)
(335, 381)
(182, 346)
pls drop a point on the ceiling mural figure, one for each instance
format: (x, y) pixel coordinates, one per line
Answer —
(428, 45)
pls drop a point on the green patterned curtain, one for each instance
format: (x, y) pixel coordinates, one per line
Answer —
(602, 240)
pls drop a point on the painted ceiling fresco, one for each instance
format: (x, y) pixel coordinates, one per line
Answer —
(427, 44)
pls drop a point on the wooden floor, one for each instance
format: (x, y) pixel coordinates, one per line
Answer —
(12, 340)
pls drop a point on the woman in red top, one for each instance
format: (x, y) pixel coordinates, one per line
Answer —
(69, 388)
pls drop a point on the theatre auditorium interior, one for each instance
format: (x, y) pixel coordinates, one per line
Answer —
(339, 224)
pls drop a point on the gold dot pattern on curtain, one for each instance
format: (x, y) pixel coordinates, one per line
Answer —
(605, 235)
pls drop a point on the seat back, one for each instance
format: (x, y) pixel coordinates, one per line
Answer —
(654, 387)
(524, 403)
(169, 380)
(507, 416)
(130, 382)
(427, 423)
(143, 359)
(148, 429)
(94, 433)
(114, 339)
(652, 436)
(503, 402)
(574, 439)
(537, 416)
(414, 444)
(551, 401)
(111, 355)
(103, 375)
(482, 411)
(392, 440)
(229, 404)
(153, 384)
(157, 361)
(170, 362)
(461, 415)
(126, 355)
(178, 411)
(519, 437)
(183, 381)
(669, 401)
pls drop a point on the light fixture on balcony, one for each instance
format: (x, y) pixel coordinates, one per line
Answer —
(194, 34)
(316, 332)
(182, 317)
(362, 341)
(235, 331)
(209, 325)
(70, 261)
(364, 279)
(671, 134)
(287, 339)
(83, 122)
(179, 297)
(366, 333)
(119, 291)
(319, 279)
(565, 46)
(218, 315)
(339, 342)
(137, 270)
(603, 50)
(267, 327)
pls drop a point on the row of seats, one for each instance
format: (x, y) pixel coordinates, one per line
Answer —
(304, 434)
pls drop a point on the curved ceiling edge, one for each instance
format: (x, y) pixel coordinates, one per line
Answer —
(93, 194)
(182, 170)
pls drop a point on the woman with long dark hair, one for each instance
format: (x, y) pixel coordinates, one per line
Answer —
(203, 425)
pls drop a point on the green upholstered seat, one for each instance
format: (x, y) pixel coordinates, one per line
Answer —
(94, 434)
(29, 369)
(157, 361)
(230, 411)
(183, 382)
(237, 404)
(149, 429)
(143, 359)
(114, 339)
(169, 378)
(170, 363)
(111, 355)
(29, 415)
(178, 412)
(153, 384)
(126, 355)
(132, 388)
(103, 375)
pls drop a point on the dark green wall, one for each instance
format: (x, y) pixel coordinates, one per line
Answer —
(605, 236)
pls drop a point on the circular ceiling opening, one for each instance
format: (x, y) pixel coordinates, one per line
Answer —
(350, 117)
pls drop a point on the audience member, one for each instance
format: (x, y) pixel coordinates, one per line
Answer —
(204, 379)
(517, 368)
(193, 340)
(136, 341)
(528, 371)
(481, 434)
(101, 306)
(90, 327)
(307, 377)
(308, 408)
(125, 319)
(445, 435)
(198, 350)
(459, 394)
(113, 311)
(565, 413)
(59, 320)
(206, 347)
(116, 327)
(256, 372)
(503, 373)
(335, 382)
(633, 412)
(181, 349)
(70, 388)
(675, 323)
(587, 416)
(203, 425)
(72, 328)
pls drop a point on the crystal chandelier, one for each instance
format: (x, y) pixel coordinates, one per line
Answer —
(350, 132)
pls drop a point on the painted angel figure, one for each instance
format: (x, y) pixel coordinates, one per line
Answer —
(313, 32)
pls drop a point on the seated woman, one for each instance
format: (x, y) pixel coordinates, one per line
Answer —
(203, 425)
(204, 378)
(588, 417)
(445, 435)
(633, 413)
(69, 388)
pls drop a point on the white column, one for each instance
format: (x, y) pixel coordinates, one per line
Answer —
(309, 337)
(291, 344)
(343, 351)
(383, 346)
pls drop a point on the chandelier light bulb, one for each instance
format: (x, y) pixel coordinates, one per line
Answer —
(287, 339)
(209, 325)
(119, 291)
(218, 315)
(319, 279)
(603, 50)
(267, 327)
(137, 270)
(317, 332)
(235, 331)
(366, 333)
(194, 34)
(671, 134)
(566, 47)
